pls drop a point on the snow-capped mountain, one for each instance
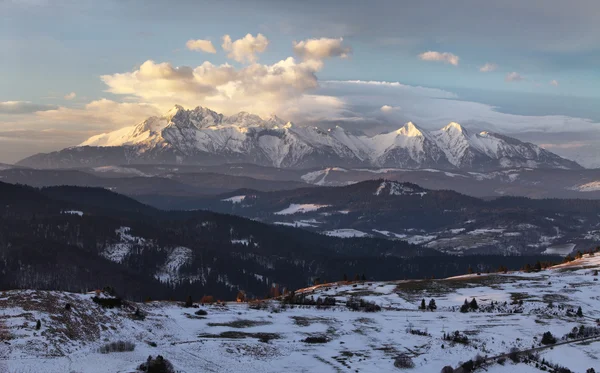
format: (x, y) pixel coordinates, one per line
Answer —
(202, 136)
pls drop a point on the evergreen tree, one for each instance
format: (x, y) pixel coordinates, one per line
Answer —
(473, 305)
(345, 277)
(189, 302)
(422, 306)
(538, 266)
(579, 312)
(432, 306)
(363, 278)
(465, 307)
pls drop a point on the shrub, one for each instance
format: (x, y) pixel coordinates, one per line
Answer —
(404, 362)
(447, 369)
(548, 339)
(468, 366)
(358, 304)
(108, 302)
(139, 315)
(38, 325)
(68, 306)
(157, 365)
(201, 313)
(514, 355)
(501, 360)
(456, 337)
(118, 346)
(316, 339)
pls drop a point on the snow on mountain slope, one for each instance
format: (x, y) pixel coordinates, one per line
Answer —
(202, 135)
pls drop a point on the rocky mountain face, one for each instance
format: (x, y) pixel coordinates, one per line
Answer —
(202, 136)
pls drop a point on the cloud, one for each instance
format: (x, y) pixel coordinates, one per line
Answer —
(70, 96)
(554, 83)
(319, 49)
(488, 67)
(246, 48)
(388, 108)
(100, 114)
(261, 89)
(201, 46)
(434, 108)
(513, 77)
(23, 107)
(444, 57)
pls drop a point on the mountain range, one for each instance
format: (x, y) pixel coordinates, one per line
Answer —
(204, 137)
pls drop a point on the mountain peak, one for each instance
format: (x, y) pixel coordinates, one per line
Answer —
(410, 130)
(174, 110)
(454, 127)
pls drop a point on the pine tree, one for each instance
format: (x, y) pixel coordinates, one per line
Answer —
(189, 302)
(465, 307)
(363, 278)
(432, 306)
(473, 305)
(38, 325)
(579, 312)
(422, 306)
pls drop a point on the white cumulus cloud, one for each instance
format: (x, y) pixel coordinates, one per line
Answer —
(514, 77)
(246, 48)
(319, 49)
(444, 57)
(257, 88)
(488, 67)
(201, 46)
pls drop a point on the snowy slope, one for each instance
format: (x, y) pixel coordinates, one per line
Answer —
(202, 135)
(514, 310)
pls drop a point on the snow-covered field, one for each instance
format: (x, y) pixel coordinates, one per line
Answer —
(515, 309)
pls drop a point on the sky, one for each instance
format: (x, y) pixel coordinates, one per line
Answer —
(525, 68)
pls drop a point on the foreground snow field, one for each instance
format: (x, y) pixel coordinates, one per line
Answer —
(269, 337)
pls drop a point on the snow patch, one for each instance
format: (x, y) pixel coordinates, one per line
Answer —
(234, 199)
(345, 233)
(300, 208)
(72, 212)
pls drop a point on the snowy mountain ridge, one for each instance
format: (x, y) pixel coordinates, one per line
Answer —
(202, 135)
